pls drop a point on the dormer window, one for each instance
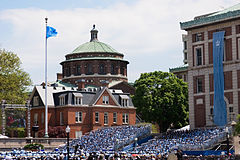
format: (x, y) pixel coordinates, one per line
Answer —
(77, 98)
(62, 99)
(105, 99)
(124, 100)
(35, 101)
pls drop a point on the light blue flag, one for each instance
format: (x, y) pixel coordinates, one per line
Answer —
(219, 110)
(51, 32)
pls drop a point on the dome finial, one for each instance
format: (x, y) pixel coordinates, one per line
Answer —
(94, 34)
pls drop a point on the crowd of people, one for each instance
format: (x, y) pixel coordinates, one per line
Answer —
(197, 139)
(108, 143)
(110, 138)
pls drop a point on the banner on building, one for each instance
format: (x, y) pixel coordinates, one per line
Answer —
(219, 110)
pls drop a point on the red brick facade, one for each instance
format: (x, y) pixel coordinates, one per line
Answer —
(63, 115)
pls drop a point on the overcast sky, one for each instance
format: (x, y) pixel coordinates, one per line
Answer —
(147, 32)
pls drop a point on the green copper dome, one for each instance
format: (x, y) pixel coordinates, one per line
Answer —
(94, 46)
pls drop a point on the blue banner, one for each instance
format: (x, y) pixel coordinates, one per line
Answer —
(51, 32)
(219, 110)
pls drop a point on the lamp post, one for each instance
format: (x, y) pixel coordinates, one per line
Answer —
(227, 131)
(135, 141)
(68, 131)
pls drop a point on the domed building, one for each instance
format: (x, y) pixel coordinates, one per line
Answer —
(95, 62)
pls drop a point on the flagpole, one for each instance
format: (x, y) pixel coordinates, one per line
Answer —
(46, 107)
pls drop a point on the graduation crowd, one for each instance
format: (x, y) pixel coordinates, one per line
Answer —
(109, 143)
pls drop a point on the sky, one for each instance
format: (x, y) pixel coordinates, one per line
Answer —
(147, 32)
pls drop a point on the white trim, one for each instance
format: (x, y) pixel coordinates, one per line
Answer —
(78, 117)
(104, 122)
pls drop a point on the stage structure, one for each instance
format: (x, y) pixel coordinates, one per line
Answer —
(5, 106)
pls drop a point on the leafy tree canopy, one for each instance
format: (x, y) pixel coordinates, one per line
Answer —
(13, 80)
(237, 127)
(162, 98)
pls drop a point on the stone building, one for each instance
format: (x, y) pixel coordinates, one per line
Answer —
(200, 64)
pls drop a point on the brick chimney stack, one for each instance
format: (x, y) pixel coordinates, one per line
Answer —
(59, 76)
(104, 83)
(81, 84)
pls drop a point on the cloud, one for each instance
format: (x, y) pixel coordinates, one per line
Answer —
(147, 32)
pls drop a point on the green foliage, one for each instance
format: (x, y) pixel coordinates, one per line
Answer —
(237, 127)
(33, 146)
(13, 80)
(162, 98)
(54, 132)
(16, 132)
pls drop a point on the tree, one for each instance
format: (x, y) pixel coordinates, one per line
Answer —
(237, 127)
(162, 98)
(13, 80)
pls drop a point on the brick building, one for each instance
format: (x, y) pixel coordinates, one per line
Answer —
(97, 63)
(200, 64)
(83, 109)
(91, 92)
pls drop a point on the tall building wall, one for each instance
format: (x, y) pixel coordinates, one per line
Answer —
(200, 74)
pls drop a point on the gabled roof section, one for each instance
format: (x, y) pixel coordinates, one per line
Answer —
(50, 91)
(99, 94)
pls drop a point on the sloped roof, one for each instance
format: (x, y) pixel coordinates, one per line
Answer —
(50, 91)
(226, 14)
(94, 46)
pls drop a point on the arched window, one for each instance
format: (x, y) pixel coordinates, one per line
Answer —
(78, 70)
(68, 71)
(89, 69)
(113, 69)
(101, 69)
(122, 70)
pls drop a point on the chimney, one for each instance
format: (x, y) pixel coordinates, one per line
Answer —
(81, 84)
(59, 76)
(104, 83)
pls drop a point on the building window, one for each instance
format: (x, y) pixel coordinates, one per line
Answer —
(114, 117)
(125, 118)
(124, 100)
(101, 69)
(78, 117)
(105, 118)
(231, 109)
(96, 117)
(42, 118)
(199, 56)
(199, 37)
(89, 69)
(61, 118)
(61, 100)
(35, 119)
(185, 55)
(35, 101)
(185, 45)
(68, 71)
(122, 70)
(211, 111)
(112, 69)
(199, 85)
(78, 70)
(78, 100)
(105, 99)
